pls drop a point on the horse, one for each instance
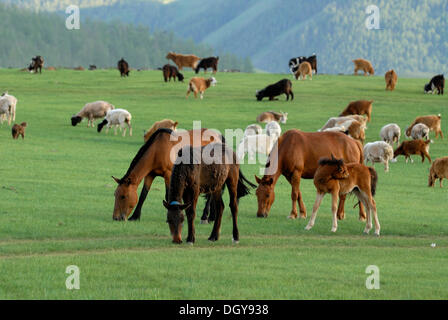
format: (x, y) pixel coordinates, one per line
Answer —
(335, 177)
(296, 156)
(151, 161)
(204, 170)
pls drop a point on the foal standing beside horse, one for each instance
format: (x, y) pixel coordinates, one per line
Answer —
(204, 170)
(296, 156)
(335, 177)
(153, 160)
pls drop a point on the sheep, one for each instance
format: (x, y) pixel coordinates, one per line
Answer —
(379, 151)
(390, 133)
(165, 123)
(18, 130)
(338, 121)
(92, 111)
(304, 70)
(364, 65)
(360, 107)
(409, 147)
(438, 170)
(269, 116)
(197, 84)
(391, 79)
(8, 105)
(260, 143)
(253, 129)
(117, 117)
(420, 131)
(273, 129)
(432, 121)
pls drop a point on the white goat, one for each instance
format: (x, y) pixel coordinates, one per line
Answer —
(391, 133)
(420, 131)
(116, 117)
(7, 108)
(260, 143)
(273, 129)
(379, 151)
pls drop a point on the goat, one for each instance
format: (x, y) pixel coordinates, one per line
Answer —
(119, 117)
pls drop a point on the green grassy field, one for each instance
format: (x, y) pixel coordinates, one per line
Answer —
(56, 198)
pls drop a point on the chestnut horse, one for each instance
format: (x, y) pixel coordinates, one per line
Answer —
(337, 178)
(296, 156)
(154, 159)
(205, 170)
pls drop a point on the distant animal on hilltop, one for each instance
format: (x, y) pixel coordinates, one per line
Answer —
(363, 65)
(92, 67)
(269, 116)
(199, 85)
(283, 86)
(438, 170)
(303, 71)
(360, 107)
(8, 104)
(437, 82)
(37, 63)
(205, 63)
(92, 111)
(433, 122)
(294, 63)
(410, 147)
(183, 60)
(123, 67)
(18, 130)
(391, 80)
(170, 71)
(165, 123)
(116, 117)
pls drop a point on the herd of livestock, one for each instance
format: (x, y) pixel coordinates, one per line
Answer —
(333, 156)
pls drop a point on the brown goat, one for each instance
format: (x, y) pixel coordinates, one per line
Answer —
(364, 65)
(432, 122)
(409, 147)
(304, 70)
(438, 170)
(199, 85)
(165, 123)
(391, 79)
(182, 60)
(18, 130)
(360, 107)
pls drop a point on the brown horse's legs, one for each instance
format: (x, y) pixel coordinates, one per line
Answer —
(232, 186)
(296, 196)
(191, 214)
(334, 209)
(146, 186)
(319, 198)
(219, 208)
(341, 213)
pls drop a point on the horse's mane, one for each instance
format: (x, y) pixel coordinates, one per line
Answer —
(145, 148)
(330, 162)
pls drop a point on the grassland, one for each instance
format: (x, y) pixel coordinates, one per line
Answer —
(56, 198)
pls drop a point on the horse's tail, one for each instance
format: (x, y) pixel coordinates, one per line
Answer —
(373, 180)
(244, 185)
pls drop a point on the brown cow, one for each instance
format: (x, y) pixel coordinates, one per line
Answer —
(304, 70)
(37, 63)
(364, 65)
(391, 79)
(183, 60)
(409, 147)
(170, 71)
(431, 121)
(123, 67)
(360, 107)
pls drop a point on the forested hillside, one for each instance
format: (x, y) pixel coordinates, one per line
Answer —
(413, 35)
(28, 33)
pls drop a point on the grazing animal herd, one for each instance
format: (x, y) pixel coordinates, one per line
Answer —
(333, 156)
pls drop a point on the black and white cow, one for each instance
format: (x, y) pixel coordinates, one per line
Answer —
(437, 82)
(294, 63)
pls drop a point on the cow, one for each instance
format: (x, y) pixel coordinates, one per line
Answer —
(123, 67)
(437, 82)
(210, 62)
(283, 86)
(294, 63)
(170, 71)
(37, 63)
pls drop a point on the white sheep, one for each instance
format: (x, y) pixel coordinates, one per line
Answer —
(117, 117)
(273, 129)
(8, 105)
(420, 131)
(379, 151)
(92, 111)
(390, 133)
(253, 129)
(253, 144)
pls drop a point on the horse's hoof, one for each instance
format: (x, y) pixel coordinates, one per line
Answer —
(190, 243)
(235, 241)
(291, 217)
(308, 227)
(333, 230)
(212, 239)
(204, 221)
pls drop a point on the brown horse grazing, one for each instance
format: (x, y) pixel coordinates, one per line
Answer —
(205, 170)
(296, 156)
(337, 178)
(154, 160)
